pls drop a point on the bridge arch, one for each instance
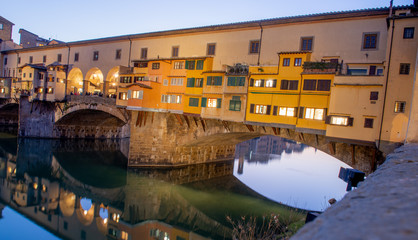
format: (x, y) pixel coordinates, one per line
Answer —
(95, 81)
(112, 81)
(75, 81)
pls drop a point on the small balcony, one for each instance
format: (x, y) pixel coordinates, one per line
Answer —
(321, 67)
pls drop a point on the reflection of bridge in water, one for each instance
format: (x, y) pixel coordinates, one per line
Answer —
(47, 184)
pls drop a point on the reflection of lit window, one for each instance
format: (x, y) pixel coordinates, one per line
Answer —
(212, 102)
(115, 217)
(44, 189)
(124, 235)
(35, 186)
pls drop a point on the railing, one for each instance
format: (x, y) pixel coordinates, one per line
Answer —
(89, 99)
(321, 67)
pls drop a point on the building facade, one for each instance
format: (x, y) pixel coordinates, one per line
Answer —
(348, 75)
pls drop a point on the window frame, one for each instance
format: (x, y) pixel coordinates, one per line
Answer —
(76, 56)
(118, 54)
(410, 35)
(144, 53)
(400, 107)
(366, 47)
(286, 62)
(251, 49)
(302, 45)
(404, 68)
(175, 51)
(208, 49)
(95, 55)
(155, 66)
(297, 62)
(368, 122)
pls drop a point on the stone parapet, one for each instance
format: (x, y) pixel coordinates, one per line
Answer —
(383, 207)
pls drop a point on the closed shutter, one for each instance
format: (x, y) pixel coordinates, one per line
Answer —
(242, 81)
(219, 103)
(301, 111)
(204, 100)
(350, 121)
(284, 85)
(295, 113)
(275, 108)
(325, 113)
(268, 110)
(218, 81)
(252, 108)
(187, 65)
(252, 82)
(328, 119)
(209, 81)
(262, 83)
(129, 94)
(274, 83)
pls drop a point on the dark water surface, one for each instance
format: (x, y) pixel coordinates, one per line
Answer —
(82, 190)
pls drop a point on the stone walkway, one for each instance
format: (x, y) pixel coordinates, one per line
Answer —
(384, 206)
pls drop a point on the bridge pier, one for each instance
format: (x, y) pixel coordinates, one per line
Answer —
(167, 139)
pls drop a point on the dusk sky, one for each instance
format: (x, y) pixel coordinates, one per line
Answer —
(88, 19)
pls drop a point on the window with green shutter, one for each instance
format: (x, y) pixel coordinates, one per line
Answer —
(204, 100)
(199, 65)
(190, 65)
(218, 81)
(209, 81)
(235, 103)
(193, 102)
(190, 82)
(219, 103)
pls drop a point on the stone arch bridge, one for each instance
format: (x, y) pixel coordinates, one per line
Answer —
(160, 139)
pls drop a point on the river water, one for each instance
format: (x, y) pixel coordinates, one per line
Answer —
(82, 189)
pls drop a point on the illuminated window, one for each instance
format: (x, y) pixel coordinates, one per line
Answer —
(179, 65)
(123, 96)
(400, 107)
(259, 83)
(50, 90)
(137, 94)
(339, 120)
(260, 109)
(2, 90)
(271, 83)
(282, 111)
(212, 102)
(124, 235)
(314, 113)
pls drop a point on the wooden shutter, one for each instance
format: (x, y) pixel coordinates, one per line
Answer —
(350, 121)
(284, 85)
(325, 114)
(252, 82)
(204, 100)
(262, 83)
(274, 83)
(187, 65)
(252, 108)
(275, 110)
(296, 112)
(219, 103)
(301, 111)
(268, 110)
(328, 119)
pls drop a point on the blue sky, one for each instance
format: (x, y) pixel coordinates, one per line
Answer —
(87, 19)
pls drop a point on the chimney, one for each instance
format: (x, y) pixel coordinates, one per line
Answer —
(390, 8)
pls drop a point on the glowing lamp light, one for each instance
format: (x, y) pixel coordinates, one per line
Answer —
(9, 169)
(105, 220)
(80, 83)
(85, 212)
(116, 75)
(113, 84)
(35, 186)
